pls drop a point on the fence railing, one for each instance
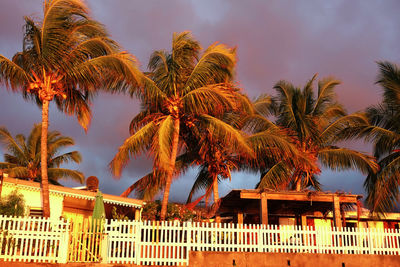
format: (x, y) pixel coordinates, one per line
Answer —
(169, 243)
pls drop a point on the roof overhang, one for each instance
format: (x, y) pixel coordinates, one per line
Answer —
(74, 193)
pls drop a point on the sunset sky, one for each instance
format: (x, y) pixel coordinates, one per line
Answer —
(290, 40)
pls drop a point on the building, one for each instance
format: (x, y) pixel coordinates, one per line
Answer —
(75, 204)
(305, 208)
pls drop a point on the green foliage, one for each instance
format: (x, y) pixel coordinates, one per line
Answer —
(182, 93)
(151, 211)
(22, 156)
(12, 205)
(383, 130)
(118, 216)
(316, 123)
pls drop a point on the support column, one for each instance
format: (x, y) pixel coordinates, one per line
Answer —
(336, 212)
(239, 217)
(264, 209)
(137, 214)
(304, 221)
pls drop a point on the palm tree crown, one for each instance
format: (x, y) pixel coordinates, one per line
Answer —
(66, 57)
(314, 124)
(22, 159)
(382, 127)
(182, 93)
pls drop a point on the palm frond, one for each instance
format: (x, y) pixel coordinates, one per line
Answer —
(68, 157)
(33, 141)
(147, 187)
(326, 94)
(136, 143)
(163, 143)
(55, 144)
(214, 99)
(223, 131)
(10, 143)
(265, 105)
(344, 128)
(389, 79)
(12, 75)
(115, 72)
(56, 174)
(276, 176)
(59, 18)
(256, 123)
(76, 103)
(215, 66)
(203, 181)
(18, 172)
(383, 187)
(343, 158)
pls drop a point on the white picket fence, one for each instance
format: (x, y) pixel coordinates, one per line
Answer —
(169, 243)
(33, 239)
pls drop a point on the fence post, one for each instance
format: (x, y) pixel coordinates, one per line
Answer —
(188, 226)
(138, 242)
(260, 237)
(369, 240)
(64, 241)
(105, 244)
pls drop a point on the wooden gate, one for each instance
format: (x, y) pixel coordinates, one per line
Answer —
(86, 240)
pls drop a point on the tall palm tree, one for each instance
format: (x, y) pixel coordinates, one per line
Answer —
(314, 124)
(66, 56)
(182, 93)
(381, 126)
(217, 158)
(22, 159)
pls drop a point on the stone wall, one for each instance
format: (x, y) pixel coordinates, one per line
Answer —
(255, 259)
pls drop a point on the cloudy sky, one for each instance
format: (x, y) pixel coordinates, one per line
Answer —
(275, 40)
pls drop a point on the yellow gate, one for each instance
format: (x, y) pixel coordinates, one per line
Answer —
(86, 240)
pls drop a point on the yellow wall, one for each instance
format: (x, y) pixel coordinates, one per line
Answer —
(33, 199)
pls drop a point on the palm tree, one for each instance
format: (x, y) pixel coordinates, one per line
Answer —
(22, 159)
(381, 126)
(314, 124)
(65, 57)
(184, 92)
(217, 158)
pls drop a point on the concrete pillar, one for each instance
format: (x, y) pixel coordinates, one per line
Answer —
(336, 212)
(264, 209)
(239, 217)
(303, 221)
(137, 214)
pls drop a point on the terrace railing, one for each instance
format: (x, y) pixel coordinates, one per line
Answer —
(169, 243)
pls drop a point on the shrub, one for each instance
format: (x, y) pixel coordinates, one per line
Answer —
(151, 211)
(13, 204)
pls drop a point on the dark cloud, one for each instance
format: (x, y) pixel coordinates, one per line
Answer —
(289, 40)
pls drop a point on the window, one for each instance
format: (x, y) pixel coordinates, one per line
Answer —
(35, 212)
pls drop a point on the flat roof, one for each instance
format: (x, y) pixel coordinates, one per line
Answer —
(295, 195)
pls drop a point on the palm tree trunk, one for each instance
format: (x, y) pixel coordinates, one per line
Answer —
(215, 189)
(175, 141)
(43, 159)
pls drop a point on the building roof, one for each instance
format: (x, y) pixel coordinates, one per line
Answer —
(249, 200)
(75, 193)
(297, 195)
